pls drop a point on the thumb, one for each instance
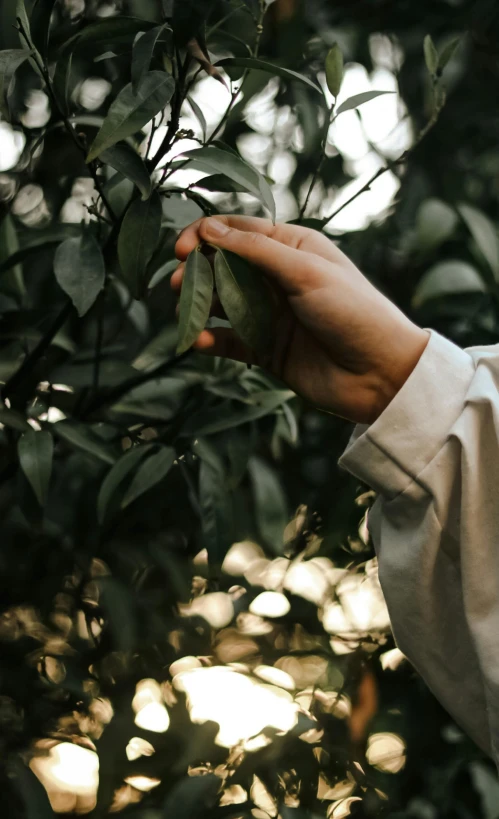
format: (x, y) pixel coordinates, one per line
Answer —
(293, 270)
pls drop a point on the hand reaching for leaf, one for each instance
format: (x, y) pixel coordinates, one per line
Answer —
(335, 339)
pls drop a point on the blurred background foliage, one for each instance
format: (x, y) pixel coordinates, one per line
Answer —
(199, 631)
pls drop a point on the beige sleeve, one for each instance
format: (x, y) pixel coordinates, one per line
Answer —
(433, 457)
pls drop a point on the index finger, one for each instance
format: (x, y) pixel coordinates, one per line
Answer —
(294, 270)
(293, 236)
(190, 237)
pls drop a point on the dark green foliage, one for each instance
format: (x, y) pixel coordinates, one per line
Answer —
(139, 236)
(195, 300)
(121, 462)
(246, 300)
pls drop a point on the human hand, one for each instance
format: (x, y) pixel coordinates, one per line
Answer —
(338, 341)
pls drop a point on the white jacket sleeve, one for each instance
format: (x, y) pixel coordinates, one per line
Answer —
(433, 457)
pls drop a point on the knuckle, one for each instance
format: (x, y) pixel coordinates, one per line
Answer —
(256, 240)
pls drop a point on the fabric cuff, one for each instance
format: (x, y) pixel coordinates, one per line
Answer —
(389, 454)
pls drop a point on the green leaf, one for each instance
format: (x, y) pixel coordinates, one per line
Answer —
(118, 604)
(360, 99)
(113, 30)
(159, 398)
(200, 116)
(484, 234)
(38, 242)
(124, 159)
(30, 791)
(246, 300)
(142, 55)
(220, 183)
(22, 18)
(195, 300)
(13, 282)
(178, 213)
(270, 503)
(131, 111)
(83, 437)
(214, 160)
(430, 55)
(292, 424)
(36, 451)
(240, 445)
(436, 222)
(162, 272)
(445, 279)
(12, 58)
(14, 420)
(269, 68)
(448, 52)
(334, 70)
(112, 372)
(189, 17)
(126, 464)
(155, 468)
(108, 55)
(139, 236)
(80, 271)
(62, 77)
(213, 500)
(194, 796)
(228, 415)
(40, 24)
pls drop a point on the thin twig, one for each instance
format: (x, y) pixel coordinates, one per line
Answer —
(224, 20)
(390, 165)
(36, 354)
(364, 189)
(115, 394)
(154, 128)
(329, 121)
(178, 100)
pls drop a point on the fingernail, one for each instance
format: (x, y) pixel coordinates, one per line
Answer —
(216, 228)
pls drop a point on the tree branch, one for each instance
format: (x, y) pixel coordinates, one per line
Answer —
(113, 395)
(173, 125)
(36, 354)
(439, 103)
(329, 121)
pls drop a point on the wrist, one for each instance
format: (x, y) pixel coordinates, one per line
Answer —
(399, 370)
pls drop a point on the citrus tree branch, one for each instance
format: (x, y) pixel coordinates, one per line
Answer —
(329, 122)
(439, 103)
